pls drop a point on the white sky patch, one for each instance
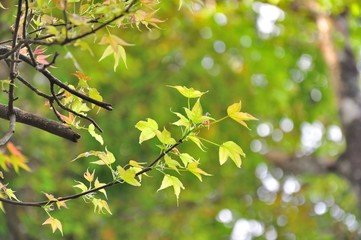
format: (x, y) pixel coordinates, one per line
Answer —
(291, 185)
(334, 133)
(268, 15)
(264, 129)
(305, 62)
(225, 216)
(219, 46)
(245, 229)
(221, 19)
(271, 183)
(316, 95)
(286, 124)
(311, 136)
(207, 62)
(320, 208)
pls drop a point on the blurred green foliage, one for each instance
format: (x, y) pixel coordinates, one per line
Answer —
(281, 78)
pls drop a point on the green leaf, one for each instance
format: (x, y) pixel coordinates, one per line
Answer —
(168, 181)
(98, 137)
(171, 163)
(188, 92)
(234, 112)
(232, 150)
(165, 137)
(128, 176)
(148, 129)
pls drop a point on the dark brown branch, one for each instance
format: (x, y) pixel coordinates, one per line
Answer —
(45, 124)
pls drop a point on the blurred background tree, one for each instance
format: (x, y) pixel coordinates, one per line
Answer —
(294, 64)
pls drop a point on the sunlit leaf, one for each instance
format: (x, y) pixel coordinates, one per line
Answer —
(234, 112)
(55, 224)
(98, 137)
(99, 184)
(193, 168)
(231, 150)
(11, 194)
(188, 92)
(106, 158)
(168, 181)
(89, 176)
(171, 163)
(197, 141)
(128, 176)
(186, 158)
(81, 186)
(148, 129)
(165, 137)
(100, 204)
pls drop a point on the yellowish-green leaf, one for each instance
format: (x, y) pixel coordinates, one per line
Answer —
(234, 112)
(99, 184)
(171, 163)
(87, 154)
(231, 150)
(100, 204)
(108, 51)
(11, 194)
(55, 224)
(165, 137)
(197, 141)
(193, 168)
(128, 176)
(81, 186)
(183, 121)
(196, 114)
(61, 204)
(188, 92)
(134, 163)
(106, 158)
(168, 181)
(186, 158)
(50, 197)
(89, 176)
(148, 129)
(98, 137)
(2, 6)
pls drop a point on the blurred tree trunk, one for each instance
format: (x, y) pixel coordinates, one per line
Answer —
(344, 77)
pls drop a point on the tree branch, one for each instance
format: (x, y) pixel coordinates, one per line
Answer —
(45, 124)
(112, 183)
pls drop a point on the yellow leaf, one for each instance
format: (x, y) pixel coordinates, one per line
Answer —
(89, 177)
(168, 181)
(193, 168)
(55, 224)
(188, 92)
(234, 112)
